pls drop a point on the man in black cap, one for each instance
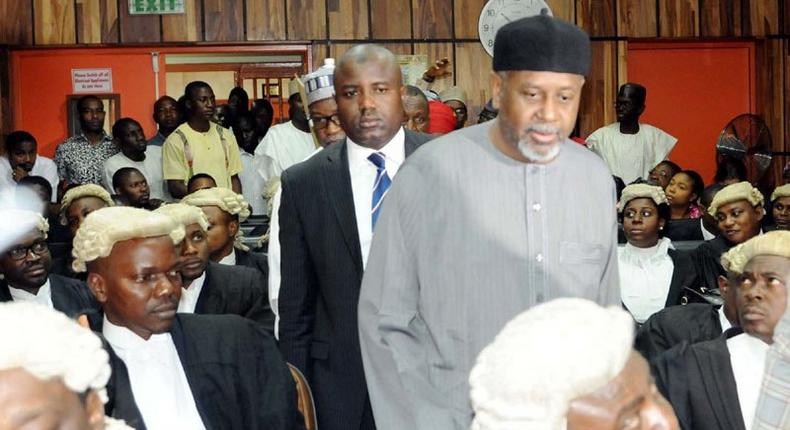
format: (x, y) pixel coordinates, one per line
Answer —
(452, 262)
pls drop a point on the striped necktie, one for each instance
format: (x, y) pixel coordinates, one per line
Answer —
(380, 187)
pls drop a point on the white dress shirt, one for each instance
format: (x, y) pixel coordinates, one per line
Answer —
(645, 277)
(189, 296)
(151, 168)
(747, 357)
(43, 167)
(363, 177)
(44, 296)
(252, 183)
(230, 259)
(159, 384)
(723, 321)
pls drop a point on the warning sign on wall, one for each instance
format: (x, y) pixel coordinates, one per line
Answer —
(91, 80)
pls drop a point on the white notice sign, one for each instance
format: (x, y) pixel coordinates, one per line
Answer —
(91, 80)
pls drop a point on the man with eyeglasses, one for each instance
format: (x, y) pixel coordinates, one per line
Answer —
(25, 265)
(630, 148)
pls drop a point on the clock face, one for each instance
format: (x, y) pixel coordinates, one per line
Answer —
(497, 13)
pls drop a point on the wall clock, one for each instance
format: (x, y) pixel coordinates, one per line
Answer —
(497, 13)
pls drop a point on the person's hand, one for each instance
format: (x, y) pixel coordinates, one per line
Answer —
(440, 69)
(18, 173)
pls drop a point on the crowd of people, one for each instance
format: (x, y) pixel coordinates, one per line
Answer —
(417, 272)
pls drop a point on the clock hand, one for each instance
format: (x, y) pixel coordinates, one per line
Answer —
(506, 18)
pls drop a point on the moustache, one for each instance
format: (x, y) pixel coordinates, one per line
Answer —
(543, 129)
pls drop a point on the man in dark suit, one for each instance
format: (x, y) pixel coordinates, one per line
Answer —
(212, 288)
(26, 265)
(327, 214)
(185, 371)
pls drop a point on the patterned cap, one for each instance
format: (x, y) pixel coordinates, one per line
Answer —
(320, 84)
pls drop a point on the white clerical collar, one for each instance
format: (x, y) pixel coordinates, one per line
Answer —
(635, 255)
(725, 323)
(394, 152)
(747, 358)
(190, 295)
(43, 297)
(228, 260)
(122, 338)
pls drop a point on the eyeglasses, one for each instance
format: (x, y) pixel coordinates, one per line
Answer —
(20, 253)
(322, 122)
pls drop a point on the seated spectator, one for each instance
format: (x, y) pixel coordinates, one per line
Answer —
(26, 268)
(716, 384)
(132, 189)
(167, 117)
(652, 274)
(529, 377)
(730, 171)
(34, 193)
(415, 109)
(53, 372)
(80, 201)
(663, 173)
(201, 181)
(212, 288)
(21, 160)
(251, 182)
(455, 98)
(738, 209)
(137, 154)
(210, 371)
(225, 211)
(81, 157)
(223, 116)
(441, 118)
(263, 111)
(709, 226)
(488, 112)
(683, 193)
(780, 207)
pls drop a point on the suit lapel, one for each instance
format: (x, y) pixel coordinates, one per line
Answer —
(179, 341)
(676, 284)
(719, 383)
(338, 183)
(5, 294)
(206, 292)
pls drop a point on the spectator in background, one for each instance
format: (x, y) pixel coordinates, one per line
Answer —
(663, 173)
(455, 98)
(631, 149)
(780, 207)
(199, 146)
(81, 157)
(415, 109)
(238, 101)
(730, 171)
(21, 160)
(132, 189)
(34, 193)
(442, 118)
(683, 193)
(201, 181)
(223, 115)
(135, 152)
(263, 111)
(167, 117)
(708, 224)
(79, 202)
(488, 113)
(251, 182)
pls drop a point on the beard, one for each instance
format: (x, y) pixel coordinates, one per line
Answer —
(528, 148)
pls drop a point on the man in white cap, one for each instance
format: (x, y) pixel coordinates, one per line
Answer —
(531, 378)
(716, 384)
(455, 97)
(175, 370)
(479, 227)
(285, 144)
(53, 372)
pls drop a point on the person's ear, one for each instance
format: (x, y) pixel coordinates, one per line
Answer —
(97, 287)
(760, 212)
(496, 86)
(724, 285)
(94, 409)
(233, 228)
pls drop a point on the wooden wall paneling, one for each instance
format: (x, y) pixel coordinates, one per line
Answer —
(771, 70)
(265, 20)
(54, 22)
(348, 19)
(184, 28)
(636, 18)
(97, 21)
(761, 18)
(600, 88)
(399, 48)
(391, 19)
(720, 18)
(16, 27)
(6, 115)
(786, 137)
(679, 18)
(563, 9)
(597, 17)
(432, 20)
(138, 28)
(786, 8)
(467, 14)
(473, 72)
(320, 52)
(437, 51)
(224, 20)
(336, 50)
(306, 19)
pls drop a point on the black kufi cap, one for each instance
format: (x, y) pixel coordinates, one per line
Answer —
(543, 44)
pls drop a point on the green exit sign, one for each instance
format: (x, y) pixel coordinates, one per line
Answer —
(155, 7)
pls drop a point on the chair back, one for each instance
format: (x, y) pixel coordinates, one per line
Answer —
(305, 398)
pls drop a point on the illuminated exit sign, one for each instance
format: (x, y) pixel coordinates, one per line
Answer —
(155, 7)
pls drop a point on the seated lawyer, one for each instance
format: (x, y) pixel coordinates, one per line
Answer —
(716, 384)
(653, 275)
(175, 371)
(212, 288)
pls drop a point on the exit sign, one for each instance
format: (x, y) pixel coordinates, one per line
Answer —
(155, 7)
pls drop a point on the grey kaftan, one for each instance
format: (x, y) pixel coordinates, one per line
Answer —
(467, 239)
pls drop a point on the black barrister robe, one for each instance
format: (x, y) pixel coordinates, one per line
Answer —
(234, 369)
(253, 260)
(692, 323)
(684, 277)
(707, 259)
(236, 290)
(70, 296)
(699, 383)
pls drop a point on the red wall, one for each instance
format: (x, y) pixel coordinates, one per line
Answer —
(41, 80)
(693, 90)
